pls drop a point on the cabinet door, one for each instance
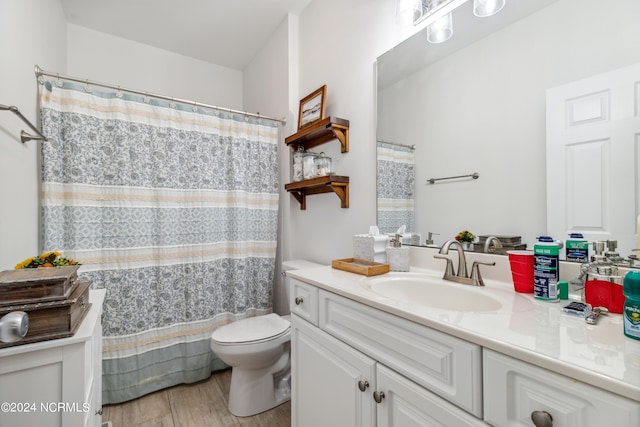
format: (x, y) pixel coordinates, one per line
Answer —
(325, 377)
(514, 389)
(406, 404)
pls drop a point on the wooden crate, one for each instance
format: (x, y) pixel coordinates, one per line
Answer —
(31, 285)
(53, 319)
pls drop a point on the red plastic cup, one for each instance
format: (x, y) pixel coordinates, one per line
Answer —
(602, 293)
(522, 270)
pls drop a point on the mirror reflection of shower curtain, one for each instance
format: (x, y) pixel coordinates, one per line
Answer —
(396, 187)
(173, 212)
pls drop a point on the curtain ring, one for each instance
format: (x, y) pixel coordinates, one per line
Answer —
(87, 88)
(195, 107)
(118, 93)
(145, 98)
(59, 82)
(172, 104)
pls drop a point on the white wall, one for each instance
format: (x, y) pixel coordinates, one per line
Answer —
(267, 87)
(482, 110)
(339, 43)
(31, 32)
(108, 59)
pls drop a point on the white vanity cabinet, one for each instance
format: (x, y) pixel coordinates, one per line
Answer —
(513, 390)
(350, 368)
(414, 375)
(56, 383)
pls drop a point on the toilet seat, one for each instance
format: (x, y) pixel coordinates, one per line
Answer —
(252, 330)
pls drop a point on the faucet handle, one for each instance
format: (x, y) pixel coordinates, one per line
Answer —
(449, 269)
(475, 272)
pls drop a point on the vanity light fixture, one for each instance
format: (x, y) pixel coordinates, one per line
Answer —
(408, 11)
(436, 14)
(484, 8)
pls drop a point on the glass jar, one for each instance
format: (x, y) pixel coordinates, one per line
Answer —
(323, 165)
(297, 160)
(309, 165)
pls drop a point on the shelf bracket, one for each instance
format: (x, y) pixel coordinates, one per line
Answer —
(301, 197)
(342, 191)
(343, 136)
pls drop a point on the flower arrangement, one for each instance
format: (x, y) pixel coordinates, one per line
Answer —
(465, 236)
(47, 259)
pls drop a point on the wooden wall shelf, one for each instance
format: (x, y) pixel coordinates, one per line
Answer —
(323, 184)
(318, 133)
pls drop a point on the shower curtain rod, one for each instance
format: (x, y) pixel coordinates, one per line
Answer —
(413, 147)
(40, 72)
(24, 136)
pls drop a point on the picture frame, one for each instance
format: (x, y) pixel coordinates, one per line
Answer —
(312, 107)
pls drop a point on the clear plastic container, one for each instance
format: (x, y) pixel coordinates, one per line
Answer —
(309, 165)
(297, 160)
(323, 165)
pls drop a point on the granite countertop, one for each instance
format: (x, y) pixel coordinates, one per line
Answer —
(522, 327)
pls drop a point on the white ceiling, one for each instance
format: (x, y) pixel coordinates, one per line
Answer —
(224, 32)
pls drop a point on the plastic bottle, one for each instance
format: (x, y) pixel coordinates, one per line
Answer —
(577, 248)
(546, 269)
(631, 309)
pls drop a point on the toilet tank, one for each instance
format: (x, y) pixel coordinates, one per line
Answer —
(296, 264)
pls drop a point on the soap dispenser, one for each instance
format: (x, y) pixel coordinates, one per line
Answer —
(397, 255)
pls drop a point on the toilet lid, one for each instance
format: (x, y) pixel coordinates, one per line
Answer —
(251, 329)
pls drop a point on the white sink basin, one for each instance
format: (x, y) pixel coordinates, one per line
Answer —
(433, 292)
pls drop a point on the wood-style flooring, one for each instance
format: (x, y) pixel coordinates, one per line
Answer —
(191, 405)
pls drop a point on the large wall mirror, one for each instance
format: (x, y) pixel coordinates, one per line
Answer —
(477, 104)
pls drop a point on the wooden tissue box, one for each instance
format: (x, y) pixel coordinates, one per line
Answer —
(53, 319)
(37, 284)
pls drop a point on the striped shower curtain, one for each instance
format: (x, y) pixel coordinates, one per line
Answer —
(396, 187)
(170, 208)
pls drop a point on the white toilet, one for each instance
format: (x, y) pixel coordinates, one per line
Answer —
(257, 348)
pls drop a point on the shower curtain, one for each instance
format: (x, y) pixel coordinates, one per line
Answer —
(396, 187)
(172, 209)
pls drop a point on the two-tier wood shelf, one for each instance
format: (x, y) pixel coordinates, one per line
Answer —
(323, 131)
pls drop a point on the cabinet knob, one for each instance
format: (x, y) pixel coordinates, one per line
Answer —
(542, 419)
(363, 385)
(378, 396)
(299, 300)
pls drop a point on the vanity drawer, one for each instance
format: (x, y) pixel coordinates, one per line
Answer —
(303, 300)
(448, 366)
(514, 389)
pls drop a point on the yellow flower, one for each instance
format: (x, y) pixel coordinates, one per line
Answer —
(50, 255)
(465, 236)
(25, 263)
(47, 259)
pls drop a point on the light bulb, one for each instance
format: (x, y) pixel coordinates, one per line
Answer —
(408, 11)
(441, 30)
(484, 8)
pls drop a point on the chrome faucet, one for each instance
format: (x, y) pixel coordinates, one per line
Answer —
(496, 244)
(460, 275)
(462, 262)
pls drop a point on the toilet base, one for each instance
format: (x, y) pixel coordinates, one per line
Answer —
(254, 390)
